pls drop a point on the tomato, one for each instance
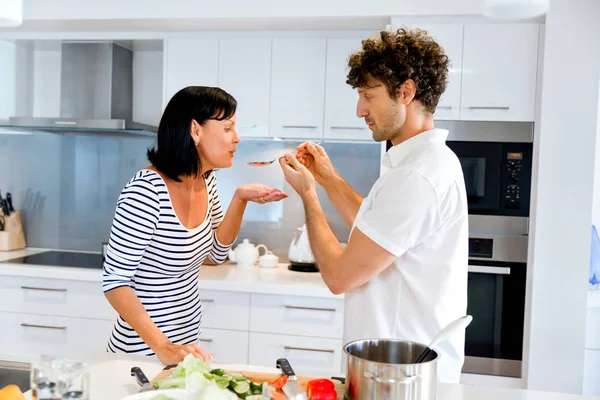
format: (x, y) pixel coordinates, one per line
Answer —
(321, 389)
(323, 393)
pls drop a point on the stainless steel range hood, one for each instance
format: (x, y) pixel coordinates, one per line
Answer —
(96, 93)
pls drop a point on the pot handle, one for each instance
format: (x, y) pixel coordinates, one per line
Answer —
(405, 380)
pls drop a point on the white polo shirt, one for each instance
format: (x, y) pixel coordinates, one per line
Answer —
(417, 210)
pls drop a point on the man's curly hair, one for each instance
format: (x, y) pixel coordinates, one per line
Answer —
(395, 57)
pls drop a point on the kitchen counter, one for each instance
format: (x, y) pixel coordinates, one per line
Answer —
(227, 277)
(110, 379)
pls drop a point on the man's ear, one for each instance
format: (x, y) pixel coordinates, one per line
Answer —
(408, 90)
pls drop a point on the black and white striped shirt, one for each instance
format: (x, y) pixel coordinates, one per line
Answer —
(159, 258)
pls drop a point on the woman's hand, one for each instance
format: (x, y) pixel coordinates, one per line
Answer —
(170, 353)
(259, 193)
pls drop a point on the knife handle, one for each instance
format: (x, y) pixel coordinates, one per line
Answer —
(9, 202)
(285, 366)
(140, 377)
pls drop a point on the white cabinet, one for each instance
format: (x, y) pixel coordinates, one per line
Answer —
(341, 99)
(499, 72)
(26, 336)
(322, 357)
(245, 72)
(189, 62)
(298, 88)
(228, 347)
(450, 38)
(297, 315)
(225, 310)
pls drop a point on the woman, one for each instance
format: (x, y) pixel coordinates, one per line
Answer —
(168, 221)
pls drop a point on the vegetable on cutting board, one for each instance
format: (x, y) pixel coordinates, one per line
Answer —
(217, 384)
(193, 373)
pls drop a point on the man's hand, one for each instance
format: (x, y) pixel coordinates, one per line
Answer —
(297, 175)
(315, 159)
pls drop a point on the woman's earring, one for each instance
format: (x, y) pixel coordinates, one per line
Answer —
(196, 142)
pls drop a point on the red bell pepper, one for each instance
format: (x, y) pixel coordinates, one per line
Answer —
(321, 389)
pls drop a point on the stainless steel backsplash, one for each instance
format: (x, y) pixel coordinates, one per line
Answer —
(66, 186)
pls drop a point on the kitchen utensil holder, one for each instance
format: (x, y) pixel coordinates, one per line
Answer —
(12, 237)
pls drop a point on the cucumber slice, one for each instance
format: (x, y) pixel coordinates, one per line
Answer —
(222, 382)
(238, 377)
(241, 387)
(218, 372)
(255, 386)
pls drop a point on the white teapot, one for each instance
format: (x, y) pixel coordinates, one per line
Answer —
(245, 254)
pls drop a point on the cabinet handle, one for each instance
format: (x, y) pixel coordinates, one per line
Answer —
(43, 289)
(60, 328)
(247, 126)
(207, 300)
(308, 349)
(300, 126)
(359, 128)
(444, 107)
(480, 269)
(65, 122)
(489, 108)
(311, 308)
(206, 340)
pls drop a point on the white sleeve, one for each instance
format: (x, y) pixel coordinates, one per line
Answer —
(403, 212)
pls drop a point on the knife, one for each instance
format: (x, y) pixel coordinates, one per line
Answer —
(141, 379)
(292, 387)
(9, 202)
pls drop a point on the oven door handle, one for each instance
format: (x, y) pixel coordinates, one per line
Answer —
(480, 269)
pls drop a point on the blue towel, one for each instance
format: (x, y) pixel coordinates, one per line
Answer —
(595, 259)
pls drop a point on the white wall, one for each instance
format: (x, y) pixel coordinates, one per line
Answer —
(160, 9)
(565, 151)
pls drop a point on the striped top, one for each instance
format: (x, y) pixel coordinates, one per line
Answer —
(159, 258)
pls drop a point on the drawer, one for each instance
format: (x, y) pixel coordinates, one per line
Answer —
(27, 336)
(592, 331)
(54, 297)
(299, 316)
(322, 357)
(225, 310)
(228, 347)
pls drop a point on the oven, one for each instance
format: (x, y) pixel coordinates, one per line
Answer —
(496, 300)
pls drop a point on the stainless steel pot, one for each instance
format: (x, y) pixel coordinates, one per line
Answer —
(385, 370)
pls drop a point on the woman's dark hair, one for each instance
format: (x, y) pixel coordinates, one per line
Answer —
(395, 57)
(175, 153)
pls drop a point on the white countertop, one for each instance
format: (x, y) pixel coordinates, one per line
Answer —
(227, 277)
(110, 378)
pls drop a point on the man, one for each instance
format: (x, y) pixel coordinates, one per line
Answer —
(404, 269)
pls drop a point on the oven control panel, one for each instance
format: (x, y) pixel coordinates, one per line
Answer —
(514, 172)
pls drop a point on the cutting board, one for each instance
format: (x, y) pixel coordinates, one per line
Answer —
(260, 377)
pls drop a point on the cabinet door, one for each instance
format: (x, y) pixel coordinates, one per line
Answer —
(309, 356)
(228, 347)
(341, 121)
(189, 62)
(245, 72)
(499, 72)
(298, 88)
(450, 37)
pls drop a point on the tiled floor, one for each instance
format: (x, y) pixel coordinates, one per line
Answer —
(15, 377)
